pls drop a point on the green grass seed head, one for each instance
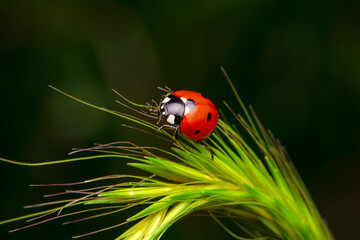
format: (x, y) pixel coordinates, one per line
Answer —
(258, 189)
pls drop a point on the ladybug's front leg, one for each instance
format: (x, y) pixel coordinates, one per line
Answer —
(166, 126)
(175, 137)
(155, 110)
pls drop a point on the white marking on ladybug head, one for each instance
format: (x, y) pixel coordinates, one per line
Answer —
(162, 106)
(166, 100)
(163, 113)
(171, 119)
(183, 99)
(186, 110)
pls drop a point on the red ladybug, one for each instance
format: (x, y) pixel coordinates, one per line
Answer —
(195, 115)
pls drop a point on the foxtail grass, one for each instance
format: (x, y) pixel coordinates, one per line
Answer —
(251, 183)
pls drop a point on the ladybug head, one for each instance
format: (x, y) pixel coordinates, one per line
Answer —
(172, 109)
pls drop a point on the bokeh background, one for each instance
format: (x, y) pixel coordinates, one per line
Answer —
(296, 63)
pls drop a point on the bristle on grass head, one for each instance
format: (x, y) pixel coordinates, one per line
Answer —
(259, 190)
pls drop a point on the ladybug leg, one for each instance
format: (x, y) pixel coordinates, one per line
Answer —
(157, 123)
(166, 126)
(208, 148)
(175, 137)
(155, 110)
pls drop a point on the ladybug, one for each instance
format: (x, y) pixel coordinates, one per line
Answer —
(195, 115)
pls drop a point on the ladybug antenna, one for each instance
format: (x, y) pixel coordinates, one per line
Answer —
(165, 89)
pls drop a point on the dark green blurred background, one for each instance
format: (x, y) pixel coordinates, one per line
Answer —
(298, 64)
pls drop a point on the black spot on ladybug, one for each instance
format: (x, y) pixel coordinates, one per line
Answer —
(208, 117)
(190, 104)
(197, 131)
